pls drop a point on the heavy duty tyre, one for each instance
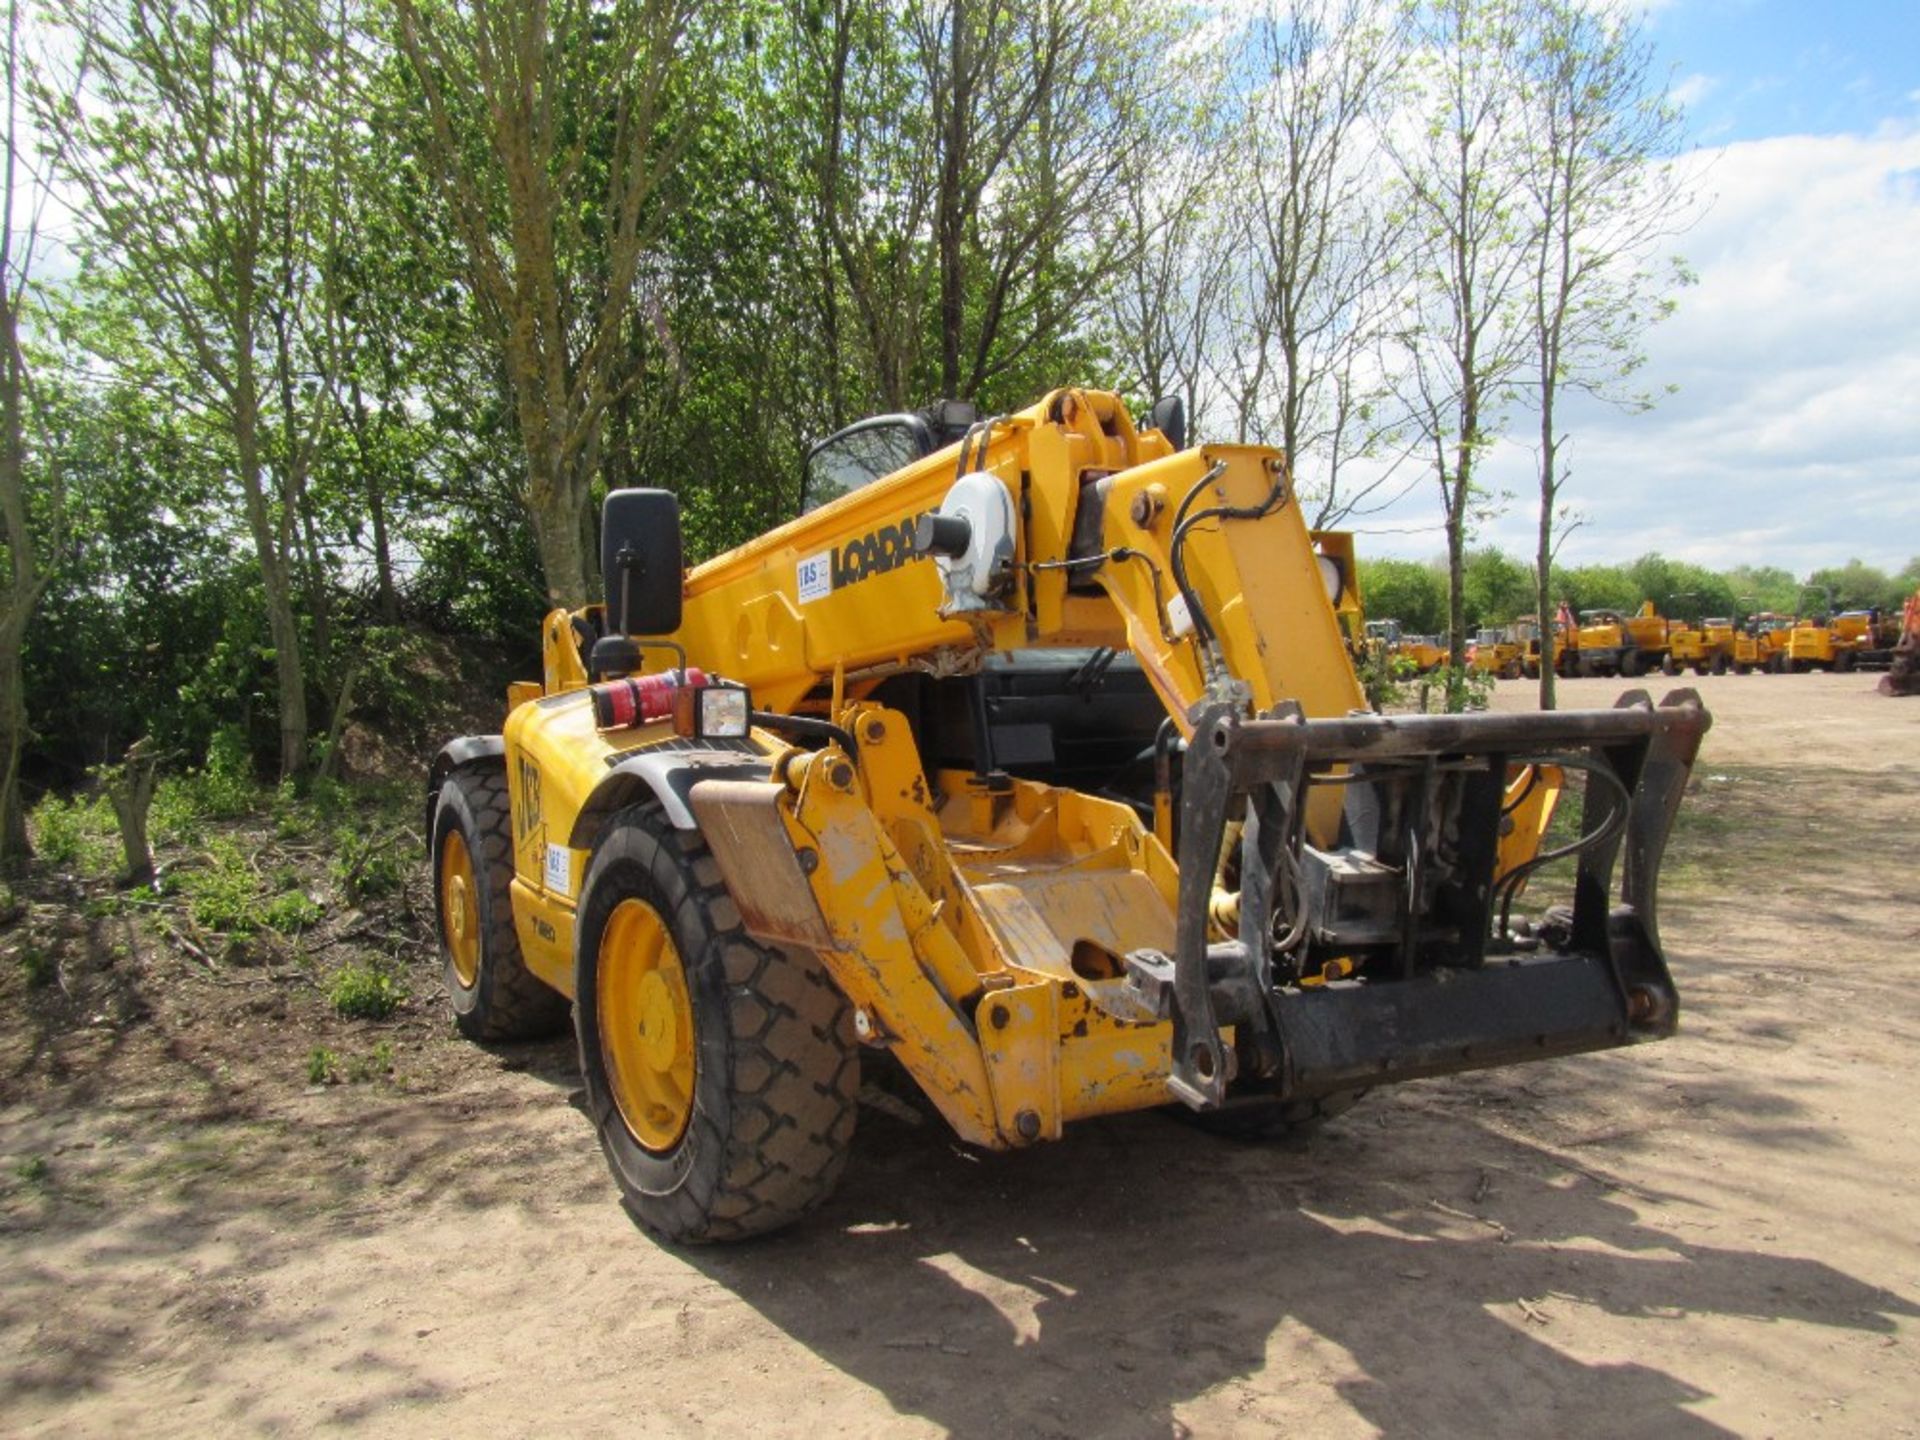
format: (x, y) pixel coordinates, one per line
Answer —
(1531, 670)
(1671, 666)
(1254, 1118)
(722, 1074)
(1720, 664)
(494, 995)
(1843, 661)
(1630, 663)
(1740, 669)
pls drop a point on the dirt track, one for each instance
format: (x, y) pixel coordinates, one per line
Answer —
(1708, 1236)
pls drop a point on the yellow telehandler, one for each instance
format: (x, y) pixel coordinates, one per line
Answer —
(1035, 757)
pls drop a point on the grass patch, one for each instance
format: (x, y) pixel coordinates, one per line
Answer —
(363, 992)
(323, 1066)
(32, 1170)
(225, 896)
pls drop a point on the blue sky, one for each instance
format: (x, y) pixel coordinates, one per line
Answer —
(1791, 66)
(1794, 435)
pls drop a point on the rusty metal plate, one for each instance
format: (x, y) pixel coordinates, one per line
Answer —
(742, 824)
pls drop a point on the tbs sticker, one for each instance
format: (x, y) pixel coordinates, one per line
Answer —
(559, 869)
(814, 576)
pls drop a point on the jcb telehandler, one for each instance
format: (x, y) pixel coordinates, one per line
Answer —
(1035, 758)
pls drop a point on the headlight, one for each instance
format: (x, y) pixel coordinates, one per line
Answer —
(716, 711)
(1330, 577)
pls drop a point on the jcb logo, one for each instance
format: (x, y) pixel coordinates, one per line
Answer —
(529, 806)
(875, 553)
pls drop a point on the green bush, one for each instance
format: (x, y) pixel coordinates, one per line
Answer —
(291, 911)
(76, 832)
(226, 895)
(364, 993)
(323, 1066)
(366, 865)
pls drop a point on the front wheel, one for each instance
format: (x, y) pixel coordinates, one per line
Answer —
(1719, 664)
(1630, 664)
(1671, 666)
(721, 1074)
(494, 995)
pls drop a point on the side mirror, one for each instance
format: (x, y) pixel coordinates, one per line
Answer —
(640, 558)
(1169, 417)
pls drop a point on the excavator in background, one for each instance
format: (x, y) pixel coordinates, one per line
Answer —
(1903, 673)
(1033, 757)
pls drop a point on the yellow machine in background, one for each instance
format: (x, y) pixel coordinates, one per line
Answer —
(1496, 652)
(1340, 575)
(1761, 643)
(1034, 757)
(1707, 646)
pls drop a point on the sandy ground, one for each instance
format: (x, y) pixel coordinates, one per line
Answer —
(1714, 1235)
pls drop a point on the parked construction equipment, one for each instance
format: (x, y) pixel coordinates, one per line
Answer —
(1038, 762)
(1706, 647)
(1496, 652)
(1903, 675)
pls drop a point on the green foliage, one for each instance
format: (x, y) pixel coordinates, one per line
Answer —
(225, 895)
(377, 1064)
(366, 865)
(1856, 586)
(291, 911)
(76, 832)
(1404, 590)
(323, 1066)
(363, 992)
(32, 1170)
(1496, 590)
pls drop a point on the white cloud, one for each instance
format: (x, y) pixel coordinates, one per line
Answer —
(1795, 436)
(1691, 90)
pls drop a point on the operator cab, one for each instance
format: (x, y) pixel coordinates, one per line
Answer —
(1083, 718)
(875, 448)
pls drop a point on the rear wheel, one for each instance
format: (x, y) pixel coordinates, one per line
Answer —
(721, 1074)
(1719, 664)
(1740, 669)
(1843, 662)
(1671, 666)
(1630, 663)
(494, 995)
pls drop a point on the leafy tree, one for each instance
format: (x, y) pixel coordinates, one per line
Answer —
(1498, 591)
(1856, 586)
(189, 128)
(1407, 591)
(552, 128)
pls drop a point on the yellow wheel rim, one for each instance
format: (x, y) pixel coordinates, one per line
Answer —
(460, 908)
(646, 1025)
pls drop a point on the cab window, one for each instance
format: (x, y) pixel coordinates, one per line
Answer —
(861, 454)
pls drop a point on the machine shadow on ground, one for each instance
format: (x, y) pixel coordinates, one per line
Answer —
(1096, 1286)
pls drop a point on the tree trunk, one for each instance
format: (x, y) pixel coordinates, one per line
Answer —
(15, 846)
(275, 579)
(1543, 556)
(130, 788)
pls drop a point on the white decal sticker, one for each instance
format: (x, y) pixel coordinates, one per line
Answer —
(559, 870)
(815, 576)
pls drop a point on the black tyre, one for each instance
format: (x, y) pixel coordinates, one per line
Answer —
(1630, 663)
(1254, 1118)
(1671, 666)
(494, 995)
(1719, 664)
(721, 1074)
(1843, 661)
(1740, 669)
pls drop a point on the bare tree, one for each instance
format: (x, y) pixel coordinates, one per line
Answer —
(26, 572)
(1600, 193)
(1322, 241)
(552, 134)
(1464, 335)
(188, 128)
